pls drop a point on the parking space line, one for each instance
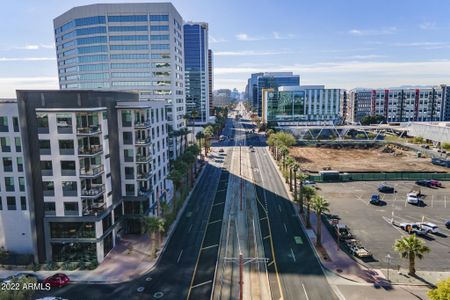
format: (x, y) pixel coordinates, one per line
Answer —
(190, 227)
(216, 221)
(208, 247)
(285, 228)
(293, 256)
(306, 294)
(179, 256)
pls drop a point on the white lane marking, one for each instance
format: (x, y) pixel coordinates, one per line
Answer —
(179, 256)
(293, 256)
(279, 207)
(190, 227)
(304, 289)
(285, 228)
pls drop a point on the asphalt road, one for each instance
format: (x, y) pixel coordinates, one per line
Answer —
(172, 276)
(296, 273)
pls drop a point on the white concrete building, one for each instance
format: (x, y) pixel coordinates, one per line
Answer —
(133, 46)
(15, 219)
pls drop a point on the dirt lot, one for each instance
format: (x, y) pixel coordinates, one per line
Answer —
(314, 159)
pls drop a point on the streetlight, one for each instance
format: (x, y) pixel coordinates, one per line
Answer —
(388, 260)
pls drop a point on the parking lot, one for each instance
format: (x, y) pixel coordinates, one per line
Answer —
(372, 224)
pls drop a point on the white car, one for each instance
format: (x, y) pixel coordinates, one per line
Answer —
(413, 198)
(413, 228)
(429, 227)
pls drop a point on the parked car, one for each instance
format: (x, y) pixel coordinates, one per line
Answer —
(436, 183)
(447, 224)
(356, 249)
(57, 280)
(20, 276)
(414, 198)
(413, 228)
(221, 150)
(385, 188)
(309, 182)
(343, 231)
(424, 182)
(375, 199)
(429, 227)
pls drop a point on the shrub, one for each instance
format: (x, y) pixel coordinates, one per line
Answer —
(82, 265)
(51, 266)
(442, 290)
(36, 267)
(446, 146)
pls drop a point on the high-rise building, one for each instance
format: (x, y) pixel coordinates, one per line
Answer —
(210, 82)
(268, 80)
(196, 71)
(445, 111)
(16, 234)
(95, 162)
(135, 46)
(301, 105)
(398, 105)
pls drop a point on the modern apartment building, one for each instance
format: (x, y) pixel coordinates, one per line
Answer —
(399, 105)
(15, 211)
(269, 80)
(210, 81)
(196, 70)
(301, 105)
(95, 162)
(128, 47)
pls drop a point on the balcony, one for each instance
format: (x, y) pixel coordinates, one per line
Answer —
(143, 158)
(142, 141)
(90, 150)
(93, 207)
(144, 176)
(93, 192)
(142, 124)
(93, 171)
(144, 192)
(90, 130)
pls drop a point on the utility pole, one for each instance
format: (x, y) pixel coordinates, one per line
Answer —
(241, 275)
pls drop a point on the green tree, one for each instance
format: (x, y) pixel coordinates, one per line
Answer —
(411, 247)
(442, 290)
(308, 192)
(418, 140)
(176, 176)
(154, 226)
(302, 177)
(377, 119)
(319, 205)
(446, 146)
(289, 163)
(284, 151)
(200, 136)
(208, 133)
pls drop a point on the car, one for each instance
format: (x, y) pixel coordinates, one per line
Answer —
(385, 188)
(429, 227)
(447, 224)
(413, 228)
(343, 231)
(424, 182)
(309, 182)
(356, 249)
(425, 146)
(375, 199)
(251, 146)
(20, 276)
(413, 198)
(221, 150)
(57, 280)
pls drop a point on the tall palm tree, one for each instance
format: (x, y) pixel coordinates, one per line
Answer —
(200, 136)
(302, 177)
(308, 192)
(411, 247)
(284, 151)
(289, 163)
(319, 205)
(295, 168)
(209, 133)
(153, 226)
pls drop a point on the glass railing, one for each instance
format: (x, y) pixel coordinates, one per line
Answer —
(143, 158)
(90, 150)
(92, 171)
(89, 130)
(93, 191)
(142, 124)
(93, 208)
(143, 141)
(143, 175)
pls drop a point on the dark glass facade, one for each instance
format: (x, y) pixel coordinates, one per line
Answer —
(272, 82)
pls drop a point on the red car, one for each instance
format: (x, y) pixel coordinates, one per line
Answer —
(436, 183)
(57, 280)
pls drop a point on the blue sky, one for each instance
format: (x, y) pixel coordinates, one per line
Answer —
(339, 43)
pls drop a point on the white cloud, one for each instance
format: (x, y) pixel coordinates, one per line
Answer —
(213, 40)
(28, 47)
(276, 35)
(251, 53)
(370, 32)
(246, 37)
(9, 85)
(428, 26)
(26, 58)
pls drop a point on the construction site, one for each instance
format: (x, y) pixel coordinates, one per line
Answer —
(372, 157)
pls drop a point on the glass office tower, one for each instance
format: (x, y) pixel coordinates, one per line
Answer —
(196, 71)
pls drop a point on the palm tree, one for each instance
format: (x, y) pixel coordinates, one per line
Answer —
(302, 177)
(209, 133)
(152, 226)
(195, 150)
(319, 205)
(295, 168)
(411, 247)
(284, 151)
(199, 136)
(308, 192)
(289, 163)
(176, 176)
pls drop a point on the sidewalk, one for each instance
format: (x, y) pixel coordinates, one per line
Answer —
(128, 260)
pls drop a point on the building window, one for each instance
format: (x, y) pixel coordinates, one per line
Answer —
(16, 124)
(129, 190)
(66, 147)
(5, 144)
(4, 124)
(7, 164)
(42, 120)
(129, 173)
(18, 144)
(23, 203)
(46, 168)
(68, 168)
(72, 230)
(1, 204)
(22, 184)
(49, 208)
(127, 138)
(64, 123)
(48, 188)
(71, 209)
(69, 188)
(11, 203)
(9, 184)
(126, 118)
(44, 147)
(19, 164)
